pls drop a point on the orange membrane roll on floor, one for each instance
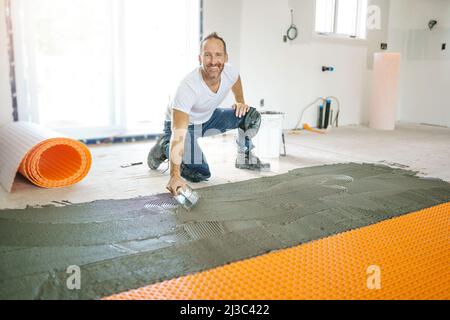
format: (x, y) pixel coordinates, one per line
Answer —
(43, 156)
(402, 258)
(57, 162)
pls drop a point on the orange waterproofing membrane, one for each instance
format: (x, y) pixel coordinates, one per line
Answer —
(57, 162)
(43, 156)
(411, 253)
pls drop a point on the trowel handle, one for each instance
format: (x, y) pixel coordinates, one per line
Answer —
(180, 190)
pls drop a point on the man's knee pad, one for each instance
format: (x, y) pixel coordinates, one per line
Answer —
(251, 123)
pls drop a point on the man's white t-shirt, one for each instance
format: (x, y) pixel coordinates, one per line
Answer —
(194, 97)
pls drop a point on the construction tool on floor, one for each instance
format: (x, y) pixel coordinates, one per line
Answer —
(131, 164)
(187, 198)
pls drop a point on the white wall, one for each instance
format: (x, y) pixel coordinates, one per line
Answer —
(288, 75)
(377, 36)
(5, 90)
(224, 17)
(425, 70)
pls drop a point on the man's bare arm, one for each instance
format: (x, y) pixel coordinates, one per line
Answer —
(240, 106)
(180, 123)
(238, 91)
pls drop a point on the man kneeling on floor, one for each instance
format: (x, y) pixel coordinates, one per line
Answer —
(194, 112)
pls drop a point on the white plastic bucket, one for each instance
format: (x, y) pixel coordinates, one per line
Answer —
(268, 140)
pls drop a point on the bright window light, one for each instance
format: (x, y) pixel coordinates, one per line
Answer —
(347, 12)
(161, 47)
(99, 67)
(341, 17)
(325, 16)
(69, 61)
(362, 23)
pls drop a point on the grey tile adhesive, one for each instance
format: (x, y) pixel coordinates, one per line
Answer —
(125, 244)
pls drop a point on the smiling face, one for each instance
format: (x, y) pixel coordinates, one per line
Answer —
(212, 59)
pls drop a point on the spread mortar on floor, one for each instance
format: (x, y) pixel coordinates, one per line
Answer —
(125, 244)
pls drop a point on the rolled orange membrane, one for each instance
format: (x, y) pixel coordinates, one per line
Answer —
(57, 162)
(43, 156)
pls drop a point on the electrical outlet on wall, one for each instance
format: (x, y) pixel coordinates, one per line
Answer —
(261, 103)
(444, 47)
(384, 46)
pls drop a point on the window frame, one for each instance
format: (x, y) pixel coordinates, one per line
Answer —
(357, 38)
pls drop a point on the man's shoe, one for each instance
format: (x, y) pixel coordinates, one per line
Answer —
(156, 156)
(247, 160)
(192, 175)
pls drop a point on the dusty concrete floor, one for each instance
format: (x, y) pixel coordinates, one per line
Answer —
(420, 148)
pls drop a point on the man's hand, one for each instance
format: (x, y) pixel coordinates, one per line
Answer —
(180, 122)
(174, 185)
(240, 109)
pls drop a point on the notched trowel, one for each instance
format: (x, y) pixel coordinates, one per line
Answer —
(188, 198)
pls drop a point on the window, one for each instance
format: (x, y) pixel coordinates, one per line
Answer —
(161, 47)
(341, 18)
(97, 68)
